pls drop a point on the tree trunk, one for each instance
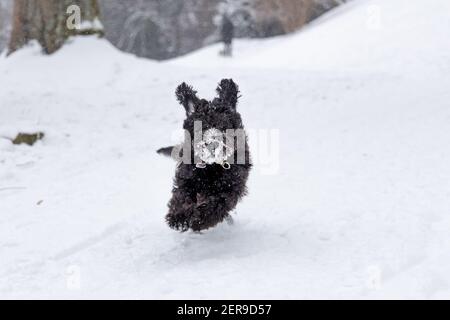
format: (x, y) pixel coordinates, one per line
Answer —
(50, 23)
(3, 23)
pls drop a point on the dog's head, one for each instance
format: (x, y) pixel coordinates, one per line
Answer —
(216, 118)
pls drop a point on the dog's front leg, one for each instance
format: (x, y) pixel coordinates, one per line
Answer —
(181, 208)
(211, 210)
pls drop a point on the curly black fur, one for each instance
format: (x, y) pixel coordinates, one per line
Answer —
(204, 197)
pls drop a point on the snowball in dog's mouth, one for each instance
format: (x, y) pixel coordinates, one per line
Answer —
(212, 149)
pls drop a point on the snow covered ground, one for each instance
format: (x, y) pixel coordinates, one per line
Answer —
(359, 207)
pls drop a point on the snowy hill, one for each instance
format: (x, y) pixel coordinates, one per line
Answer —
(362, 35)
(357, 207)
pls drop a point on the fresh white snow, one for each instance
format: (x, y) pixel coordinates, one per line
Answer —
(359, 207)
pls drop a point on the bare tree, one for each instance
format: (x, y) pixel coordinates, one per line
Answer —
(158, 29)
(5, 17)
(52, 22)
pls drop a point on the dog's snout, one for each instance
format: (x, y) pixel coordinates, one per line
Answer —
(213, 146)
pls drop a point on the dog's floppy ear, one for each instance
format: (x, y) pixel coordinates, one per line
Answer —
(228, 93)
(187, 96)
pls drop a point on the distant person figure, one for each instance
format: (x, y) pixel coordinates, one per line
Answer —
(227, 36)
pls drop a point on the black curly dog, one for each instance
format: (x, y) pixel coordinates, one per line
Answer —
(204, 194)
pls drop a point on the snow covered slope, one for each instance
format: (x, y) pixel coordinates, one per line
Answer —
(359, 208)
(364, 35)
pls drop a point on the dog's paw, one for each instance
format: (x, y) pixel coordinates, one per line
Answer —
(204, 216)
(178, 222)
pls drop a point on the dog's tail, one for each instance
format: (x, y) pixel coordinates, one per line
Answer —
(167, 152)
